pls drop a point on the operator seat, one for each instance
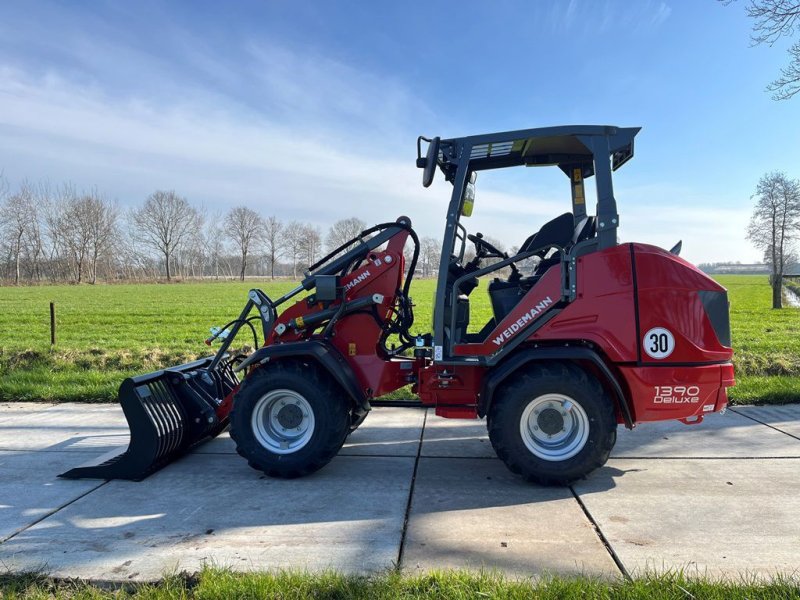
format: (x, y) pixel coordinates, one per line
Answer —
(557, 232)
(584, 229)
(561, 232)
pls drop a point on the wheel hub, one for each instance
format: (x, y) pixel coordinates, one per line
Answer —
(550, 421)
(554, 427)
(283, 421)
(290, 416)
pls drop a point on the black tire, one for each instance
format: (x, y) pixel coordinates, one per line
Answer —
(329, 407)
(595, 422)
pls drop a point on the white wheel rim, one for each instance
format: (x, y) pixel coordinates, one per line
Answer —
(554, 427)
(283, 421)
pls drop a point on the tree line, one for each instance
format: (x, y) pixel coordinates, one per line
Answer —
(52, 234)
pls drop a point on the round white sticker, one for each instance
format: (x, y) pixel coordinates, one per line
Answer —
(658, 342)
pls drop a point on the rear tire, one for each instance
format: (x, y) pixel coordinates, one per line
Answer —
(289, 419)
(552, 424)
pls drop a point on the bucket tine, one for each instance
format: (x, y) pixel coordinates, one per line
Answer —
(168, 413)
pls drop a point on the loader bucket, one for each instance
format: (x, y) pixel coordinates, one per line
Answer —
(168, 412)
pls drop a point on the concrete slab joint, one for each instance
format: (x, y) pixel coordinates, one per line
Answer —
(407, 489)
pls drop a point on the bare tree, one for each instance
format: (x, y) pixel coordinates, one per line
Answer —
(35, 236)
(774, 224)
(82, 229)
(214, 242)
(101, 220)
(310, 244)
(195, 253)
(164, 223)
(55, 202)
(244, 226)
(292, 239)
(772, 20)
(273, 230)
(216, 249)
(429, 253)
(17, 213)
(343, 231)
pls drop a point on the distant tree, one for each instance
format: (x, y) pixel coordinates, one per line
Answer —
(429, 253)
(408, 254)
(292, 239)
(164, 223)
(103, 218)
(774, 19)
(310, 244)
(85, 226)
(214, 242)
(216, 249)
(34, 238)
(774, 225)
(273, 230)
(193, 251)
(17, 214)
(343, 231)
(245, 227)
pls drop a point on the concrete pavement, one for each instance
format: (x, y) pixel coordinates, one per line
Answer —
(720, 498)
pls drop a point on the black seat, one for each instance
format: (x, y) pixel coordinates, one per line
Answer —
(561, 232)
(558, 232)
(585, 228)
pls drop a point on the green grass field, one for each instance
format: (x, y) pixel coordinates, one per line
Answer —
(213, 584)
(109, 332)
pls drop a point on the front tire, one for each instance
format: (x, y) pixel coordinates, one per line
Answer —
(552, 424)
(289, 419)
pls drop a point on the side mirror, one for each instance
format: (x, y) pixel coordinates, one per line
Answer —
(431, 159)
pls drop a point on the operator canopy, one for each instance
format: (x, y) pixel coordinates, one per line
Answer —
(565, 146)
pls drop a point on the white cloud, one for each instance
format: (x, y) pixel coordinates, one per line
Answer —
(660, 14)
(332, 141)
(591, 16)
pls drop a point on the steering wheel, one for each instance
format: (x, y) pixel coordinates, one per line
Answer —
(484, 249)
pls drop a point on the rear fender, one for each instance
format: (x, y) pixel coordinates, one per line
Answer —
(508, 367)
(322, 353)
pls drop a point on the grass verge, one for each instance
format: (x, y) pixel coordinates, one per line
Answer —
(216, 583)
(107, 333)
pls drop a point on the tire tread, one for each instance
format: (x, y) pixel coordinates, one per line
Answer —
(503, 416)
(249, 449)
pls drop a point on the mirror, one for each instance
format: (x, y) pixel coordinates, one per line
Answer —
(469, 196)
(430, 162)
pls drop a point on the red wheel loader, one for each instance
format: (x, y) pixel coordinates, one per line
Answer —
(585, 334)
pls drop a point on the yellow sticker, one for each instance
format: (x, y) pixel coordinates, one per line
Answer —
(577, 175)
(578, 193)
(351, 349)
(299, 322)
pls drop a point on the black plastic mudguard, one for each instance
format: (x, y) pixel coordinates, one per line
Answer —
(506, 368)
(324, 354)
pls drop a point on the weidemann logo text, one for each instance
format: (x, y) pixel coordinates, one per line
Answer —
(356, 281)
(522, 321)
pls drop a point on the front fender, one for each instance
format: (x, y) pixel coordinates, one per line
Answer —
(321, 352)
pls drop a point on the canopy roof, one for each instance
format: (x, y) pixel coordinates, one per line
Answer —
(563, 146)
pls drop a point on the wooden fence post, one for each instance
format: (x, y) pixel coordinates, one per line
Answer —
(52, 323)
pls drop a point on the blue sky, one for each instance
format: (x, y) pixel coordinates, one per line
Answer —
(310, 110)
